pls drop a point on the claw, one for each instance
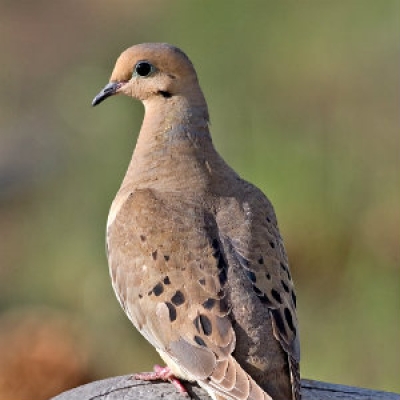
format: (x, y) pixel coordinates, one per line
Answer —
(164, 374)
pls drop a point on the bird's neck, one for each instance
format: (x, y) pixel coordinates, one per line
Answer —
(174, 150)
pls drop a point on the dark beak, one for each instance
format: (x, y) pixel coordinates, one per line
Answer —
(109, 90)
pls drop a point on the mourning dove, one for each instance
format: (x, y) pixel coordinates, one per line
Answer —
(195, 254)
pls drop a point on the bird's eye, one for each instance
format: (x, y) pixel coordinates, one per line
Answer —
(143, 68)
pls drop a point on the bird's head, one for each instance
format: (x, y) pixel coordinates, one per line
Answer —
(152, 70)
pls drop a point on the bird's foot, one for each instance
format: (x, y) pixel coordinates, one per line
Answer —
(164, 374)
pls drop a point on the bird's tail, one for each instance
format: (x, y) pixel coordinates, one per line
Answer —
(229, 381)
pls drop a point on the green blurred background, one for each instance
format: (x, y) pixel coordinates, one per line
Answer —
(304, 102)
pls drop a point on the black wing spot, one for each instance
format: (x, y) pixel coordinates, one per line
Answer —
(261, 260)
(268, 276)
(166, 258)
(221, 263)
(257, 291)
(285, 287)
(265, 300)
(172, 311)
(209, 304)
(215, 244)
(222, 276)
(294, 298)
(275, 294)
(252, 276)
(288, 274)
(289, 320)
(286, 269)
(142, 238)
(279, 321)
(272, 244)
(244, 262)
(268, 219)
(205, 324)
(223, 306)
(158, 289)
(167, 281)
(178, 298)
(200, 341)
(217, 251)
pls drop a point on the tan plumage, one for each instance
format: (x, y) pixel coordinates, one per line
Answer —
(195, 254)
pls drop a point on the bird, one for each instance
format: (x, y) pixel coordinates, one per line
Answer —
(195, 255)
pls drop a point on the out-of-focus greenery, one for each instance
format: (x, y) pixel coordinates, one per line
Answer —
(304, 102)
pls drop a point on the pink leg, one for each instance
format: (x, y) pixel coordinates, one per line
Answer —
(164, 374)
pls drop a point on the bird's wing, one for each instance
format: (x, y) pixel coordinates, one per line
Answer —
(169, 276)
(252, 239)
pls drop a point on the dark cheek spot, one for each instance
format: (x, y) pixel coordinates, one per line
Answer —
(172, 311)
(202, 281)
(165, 94)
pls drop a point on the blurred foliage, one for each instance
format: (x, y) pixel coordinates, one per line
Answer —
(304, 102)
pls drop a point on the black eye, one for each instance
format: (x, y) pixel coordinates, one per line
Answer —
(143, 68)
